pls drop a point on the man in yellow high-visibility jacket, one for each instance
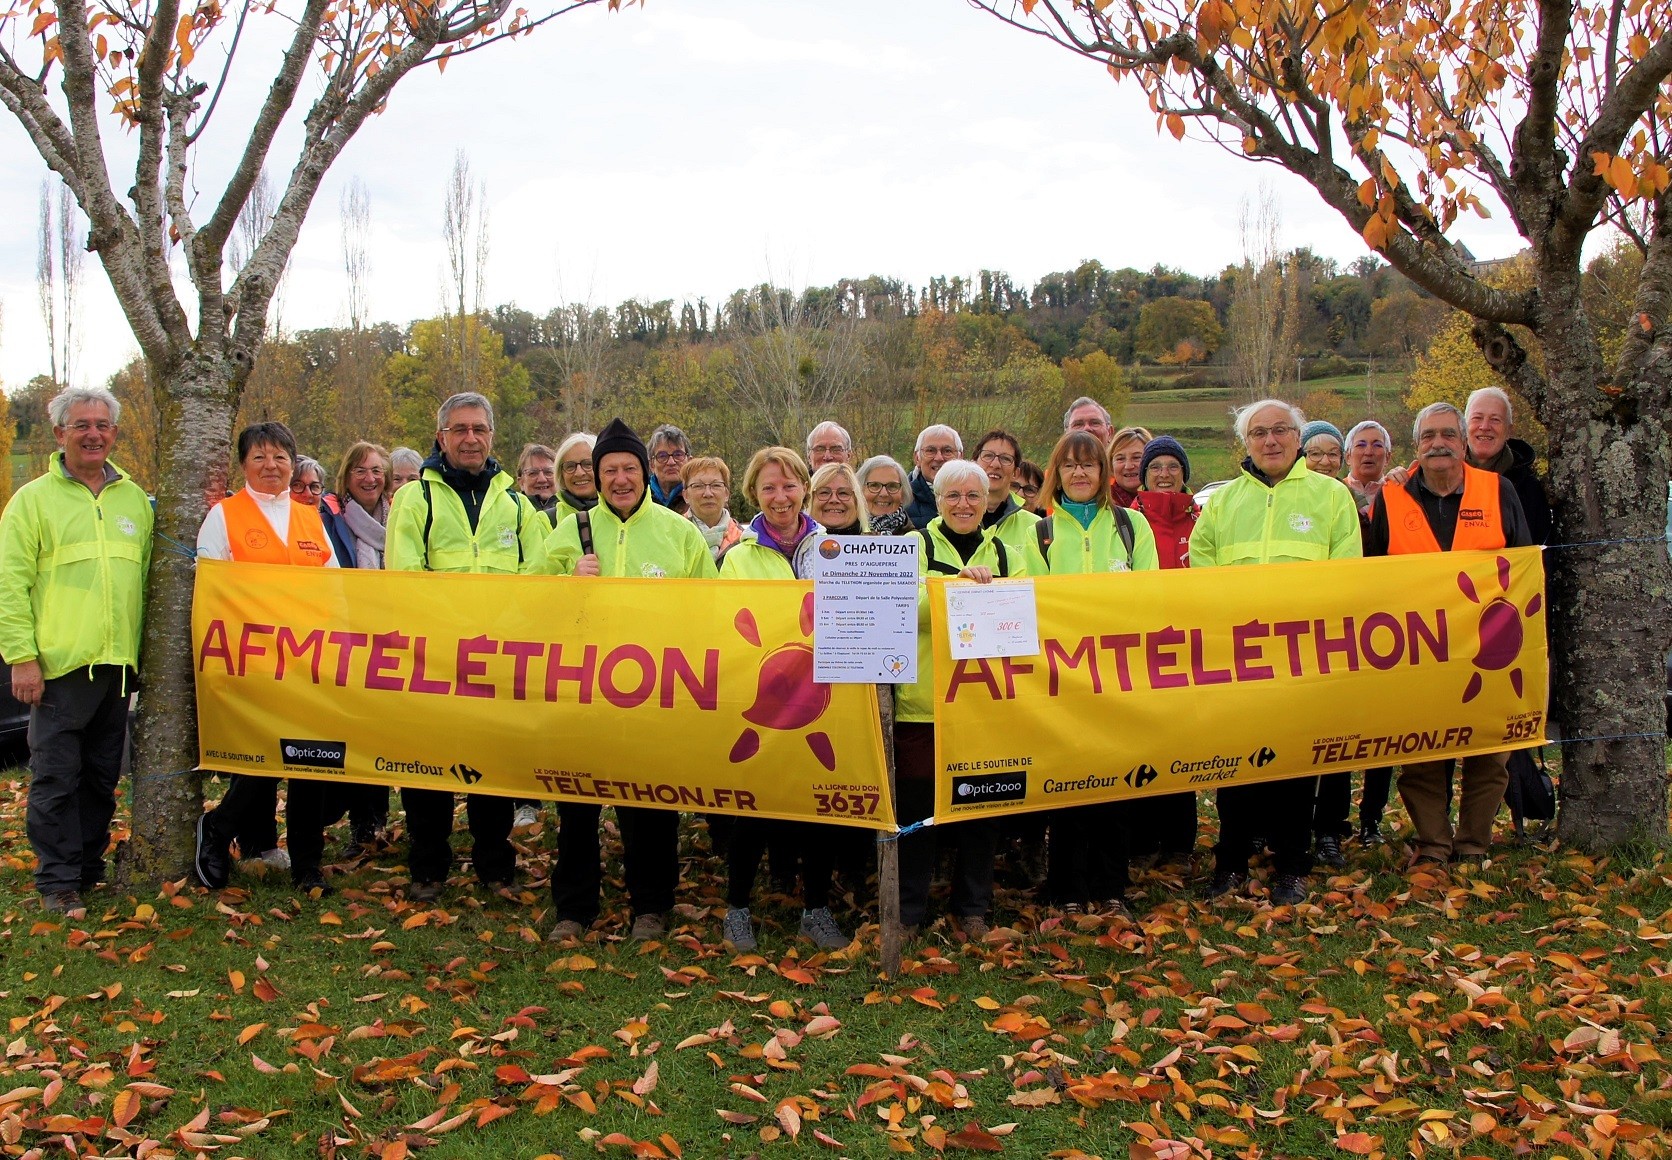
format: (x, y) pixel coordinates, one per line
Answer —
(75, 545)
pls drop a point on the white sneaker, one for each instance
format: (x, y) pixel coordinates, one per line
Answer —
(278, 859)
(524, 818)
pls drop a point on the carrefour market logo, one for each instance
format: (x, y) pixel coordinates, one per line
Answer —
(1501, 632)
(786, 696)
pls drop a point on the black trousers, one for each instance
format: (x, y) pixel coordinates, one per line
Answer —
(816, 844)
(1335, 801)
(1281, 810)
(1164, 824)
(429, 830)
(76, 736)
(650, 860)
(976, 841)
(1088, 859)
(311, 805)
(368, 807)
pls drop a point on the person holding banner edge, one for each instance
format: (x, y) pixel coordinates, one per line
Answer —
(1446, 505)
(778, 545)
(265, 523)
(1277, 511)
(953, 544)
(463, 514)
(626, 534)
(1087, 863)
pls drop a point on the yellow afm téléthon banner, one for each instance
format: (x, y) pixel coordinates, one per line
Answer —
(1160, 682)
(680, 694)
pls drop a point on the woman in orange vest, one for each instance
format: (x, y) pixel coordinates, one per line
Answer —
(262, 524)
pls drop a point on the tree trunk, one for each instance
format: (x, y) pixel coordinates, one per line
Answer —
(1609, 465)
(167, 792)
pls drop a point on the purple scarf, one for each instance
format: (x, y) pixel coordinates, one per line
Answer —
(763, 533)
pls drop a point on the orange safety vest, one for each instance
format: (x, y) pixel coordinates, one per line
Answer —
(253, 540)
(1480, 519)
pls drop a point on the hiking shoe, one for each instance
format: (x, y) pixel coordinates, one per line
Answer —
(1329, 851)
(737, 929)
(275, 859)
(1225, 882)
(424, 891)
(649, 926)
(1369, 835)
(212, 862)
(974, 928)
(820, 926)
(565, 930)
(65, 902)
(310, 882)
(1072, 910)
(1288, 890)
(524, 818)
(1113, 908)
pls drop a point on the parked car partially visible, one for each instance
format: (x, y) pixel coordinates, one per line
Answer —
(14, 716)
(1205, 493)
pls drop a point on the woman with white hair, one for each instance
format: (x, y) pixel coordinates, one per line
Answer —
(1368, 449)
(882, 484)
(577, 487)
(953, 544)
(405, 466)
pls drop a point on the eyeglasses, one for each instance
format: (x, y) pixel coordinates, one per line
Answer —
(82, 426)
(829, 449)
(826, 494)
(309, 488)
(1280, 431)
(705, 485)
(578, 467)
(671, 456)
(373, 472)
(1028, 490)
(540, 472)
(1079, 468)
(964, 497)
(942, 452)
(468, 430)
(996, 458)
(883, 488)
(1324, 453)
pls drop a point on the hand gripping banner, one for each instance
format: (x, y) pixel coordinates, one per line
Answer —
(681, 694)
(1156, 682)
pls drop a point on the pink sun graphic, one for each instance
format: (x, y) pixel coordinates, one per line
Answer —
(786, 696)
(1501, 632)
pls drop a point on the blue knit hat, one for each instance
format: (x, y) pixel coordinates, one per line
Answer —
(1319, 427)
(1163, 445)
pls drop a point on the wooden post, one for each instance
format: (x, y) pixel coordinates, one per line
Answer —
(888, 848)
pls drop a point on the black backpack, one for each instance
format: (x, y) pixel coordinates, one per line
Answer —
(944, 569)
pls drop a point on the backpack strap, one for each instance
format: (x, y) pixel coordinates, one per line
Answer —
(519, 500)
(429, 519)
(583, 525)
(1004, 558)
(935, 565)
(1042, 531)
(1128, 538)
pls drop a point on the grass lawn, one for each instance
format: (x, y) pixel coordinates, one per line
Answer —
(1517, 1008)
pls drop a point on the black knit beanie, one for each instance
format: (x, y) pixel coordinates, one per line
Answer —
(615, 438)
(1164, 445)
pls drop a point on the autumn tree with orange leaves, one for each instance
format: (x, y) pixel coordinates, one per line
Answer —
(95, 83)
(1403, 116)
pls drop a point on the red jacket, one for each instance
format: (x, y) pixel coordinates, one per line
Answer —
(1172, 516)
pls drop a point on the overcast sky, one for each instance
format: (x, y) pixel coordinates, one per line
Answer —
(696, 146)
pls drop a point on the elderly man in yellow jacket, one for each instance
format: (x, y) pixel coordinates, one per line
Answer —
(1276, 512)
(74, 548)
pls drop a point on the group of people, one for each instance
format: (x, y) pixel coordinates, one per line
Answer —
(74, 546)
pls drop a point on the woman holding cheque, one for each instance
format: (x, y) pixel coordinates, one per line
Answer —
(953, 544)
(264, 524)
(1085, 533)
(777, 545)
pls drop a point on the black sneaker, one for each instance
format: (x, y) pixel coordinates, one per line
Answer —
(1329, 851)
(1224, 882)
(1369, 836)
(212, 861)
(1288, 890)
